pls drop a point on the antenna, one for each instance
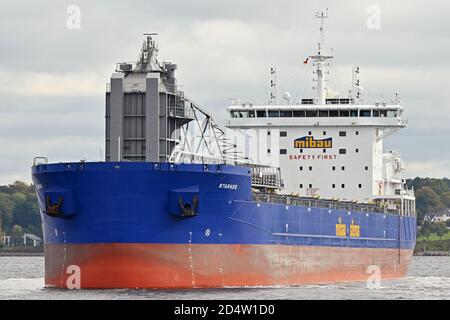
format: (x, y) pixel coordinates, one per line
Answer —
(354, 77)
(149, 49)
(396, 98)
(356, 85)
(321, 16)
(273, 86)
(319, 60)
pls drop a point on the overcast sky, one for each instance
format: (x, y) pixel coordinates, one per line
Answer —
(52, 78)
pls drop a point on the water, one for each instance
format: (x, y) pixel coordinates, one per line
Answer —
(428, 278)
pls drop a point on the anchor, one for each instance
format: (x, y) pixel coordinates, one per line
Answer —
(188, 210)
(54, 209)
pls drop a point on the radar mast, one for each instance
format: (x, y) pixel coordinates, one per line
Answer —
(319, 60)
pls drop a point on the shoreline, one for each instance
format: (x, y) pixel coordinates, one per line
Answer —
(432, 254)
(21, 251)
(21, 254)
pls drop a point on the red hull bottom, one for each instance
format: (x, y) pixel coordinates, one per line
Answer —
(213, 266)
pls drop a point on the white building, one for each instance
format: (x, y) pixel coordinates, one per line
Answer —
(329, 146)
(442, 216)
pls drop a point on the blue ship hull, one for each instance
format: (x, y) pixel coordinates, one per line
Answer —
(121, 225)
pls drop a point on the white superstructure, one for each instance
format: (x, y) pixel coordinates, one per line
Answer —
(329, 146)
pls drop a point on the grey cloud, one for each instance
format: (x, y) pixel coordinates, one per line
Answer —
(409, 54)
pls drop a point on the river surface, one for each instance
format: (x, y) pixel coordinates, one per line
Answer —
(428, 278)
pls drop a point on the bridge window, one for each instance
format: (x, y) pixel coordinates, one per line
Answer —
(364, 113)
(353, 113)
(323, 113)
(376, 113)
(286, 113)
(334, 113)
(299, 113)
(274, 113)
(234, 114)
(242, 114)
(251, 114)
(383, 113)
(261, 113)
(392, 113)
(344, 113)
(311, 113)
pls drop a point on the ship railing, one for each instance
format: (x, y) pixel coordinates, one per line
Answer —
(179, 111)
(173, 88)
(183, 156)
(319, 203)
(265, 176)
(142, 86)
(404, 192)
(39, 160)
(134, 87)
(262, 177)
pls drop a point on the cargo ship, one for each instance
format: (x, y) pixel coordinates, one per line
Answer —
(310, 196)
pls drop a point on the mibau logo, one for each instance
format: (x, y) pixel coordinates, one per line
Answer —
(310, 142)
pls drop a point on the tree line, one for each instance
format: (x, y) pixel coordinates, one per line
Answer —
(19, 210)
(432, 195)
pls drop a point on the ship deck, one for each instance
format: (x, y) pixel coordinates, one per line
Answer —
(320, 203)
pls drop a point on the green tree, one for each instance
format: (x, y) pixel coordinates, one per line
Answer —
(440, 229)
(427, 200)
(439, 186)
(426, 230)
(26, 212)
(18, 206)
(6, 211)
(20, 187)
(445, 199)
(16, 233)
